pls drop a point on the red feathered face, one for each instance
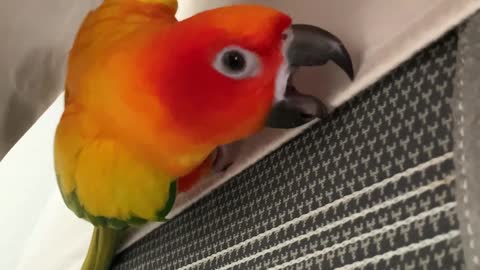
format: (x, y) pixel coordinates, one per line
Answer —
(216, 73)
(222, 74)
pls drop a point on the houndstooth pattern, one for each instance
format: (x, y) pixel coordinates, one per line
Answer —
(371, 187)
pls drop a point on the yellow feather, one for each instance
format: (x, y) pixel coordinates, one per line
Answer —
(109, 179)
(115, 183)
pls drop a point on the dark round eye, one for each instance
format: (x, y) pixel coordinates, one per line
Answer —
(234, 61)
(237, 63)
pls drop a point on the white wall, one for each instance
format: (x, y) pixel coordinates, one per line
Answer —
(35, 38)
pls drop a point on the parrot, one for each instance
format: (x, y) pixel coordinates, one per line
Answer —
(151, 101)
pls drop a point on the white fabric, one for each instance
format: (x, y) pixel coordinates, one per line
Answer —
(40, 233)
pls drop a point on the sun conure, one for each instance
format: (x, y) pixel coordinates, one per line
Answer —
(149, 99)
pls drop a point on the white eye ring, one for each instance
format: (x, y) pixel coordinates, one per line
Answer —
(237, 63)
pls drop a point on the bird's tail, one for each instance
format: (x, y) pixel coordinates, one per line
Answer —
(102, 248)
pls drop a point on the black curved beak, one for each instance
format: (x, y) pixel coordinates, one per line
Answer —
(311, 46)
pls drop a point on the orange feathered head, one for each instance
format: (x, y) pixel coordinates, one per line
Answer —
(216, 72)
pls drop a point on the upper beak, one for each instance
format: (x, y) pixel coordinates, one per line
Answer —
(311, 46)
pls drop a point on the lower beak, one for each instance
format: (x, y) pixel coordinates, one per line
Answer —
(311, 46)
